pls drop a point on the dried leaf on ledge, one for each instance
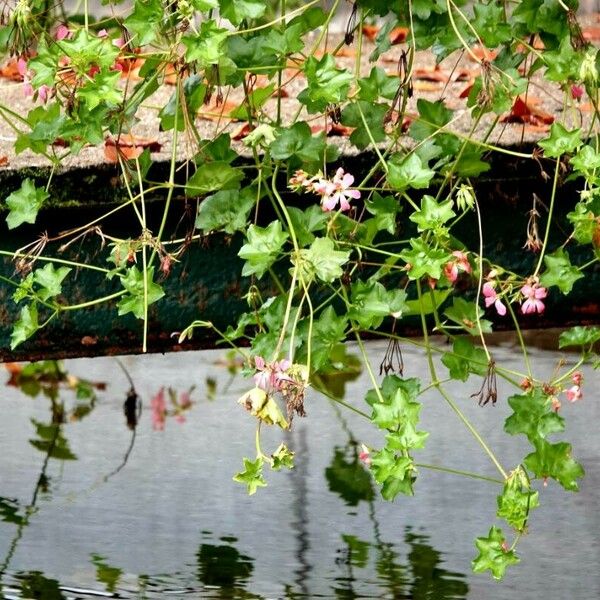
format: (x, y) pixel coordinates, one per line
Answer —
(526, 113)
(128, 146)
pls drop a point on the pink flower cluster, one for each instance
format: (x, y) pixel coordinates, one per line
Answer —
(271, 376)
(574, 393)
(460, 264)
(534, 295)
(333, 192)
(491, 297)
(159, 411)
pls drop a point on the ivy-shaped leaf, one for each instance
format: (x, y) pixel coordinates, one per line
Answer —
(424, 260)
(321, 260)
(226, 210)
(432, 214)
(409, 173)
(493, 554)
(561, 141)
(133, 300)
(326, 83)
(239, 10)
(533, 416)
(579, 336)
(555, 461)
(465, 314)
(24, 204)
(50, 280)
(283, 458)
(560, 272)
(262, 249)
(465, 359)
(26, 325)
(371, 302)
(517, 500)
(251, 476)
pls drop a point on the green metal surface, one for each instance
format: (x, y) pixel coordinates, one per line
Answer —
(206, 284)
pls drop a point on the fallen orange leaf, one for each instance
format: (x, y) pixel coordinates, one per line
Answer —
(128, 147)
(214, 111)
(482, 53)
(241, 131)
(3, 161)
(10, 70)
(527, 113)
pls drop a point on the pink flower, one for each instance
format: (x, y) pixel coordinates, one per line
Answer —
(491, 297)
(102, 33)
(574, 393)
(534, 294)
(364, 455)
(555, 404)
(271, 376)
(341, 191)
(577, 378)
(158, 408)
(62, 32)
(577, 92)
(459, 265)
(43, 92)
(185, 399)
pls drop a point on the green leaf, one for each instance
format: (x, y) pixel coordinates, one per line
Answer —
(307, 222)
(298, 146)
(144, 22)
(326, 84)
(26, 325)
(490, 23)
(251, 476)
(395, 404)
(385, 209)
(103, 89)
(262, 249)
(51, 441)
(322, 261)
(432, 215)
(586, 161)
(227, 210)
(424, 260)
(374, 114)
(555, 461)
(50, 280)
(561, 141)
(239, 10)
(24, 204)
(371, 302)
(194, 92)
(560, 272)
(517, 500)
(377, 84)
(328, 331)
(465, 314)
(395, 473)
(432, 117)
(579, 336)
(533, 416)
(283, 458)
(133, 300)
(465, 359)
(213, 176)
(206, 47)
(430, 301)
(493, 554)
(410, 173)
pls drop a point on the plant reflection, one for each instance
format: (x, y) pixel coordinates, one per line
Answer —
(224, 568)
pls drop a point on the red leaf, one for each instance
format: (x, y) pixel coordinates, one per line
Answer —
(527, 113)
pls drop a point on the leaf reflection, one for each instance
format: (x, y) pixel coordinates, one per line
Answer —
(223, 567)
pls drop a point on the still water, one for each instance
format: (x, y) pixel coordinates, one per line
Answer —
(170, 522)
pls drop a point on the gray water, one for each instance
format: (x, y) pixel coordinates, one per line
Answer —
(172, 522)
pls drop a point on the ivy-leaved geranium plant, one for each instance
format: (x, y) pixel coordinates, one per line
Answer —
(330, 252)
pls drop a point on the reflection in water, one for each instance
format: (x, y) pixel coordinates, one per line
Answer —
(363, 566)
(224, 568)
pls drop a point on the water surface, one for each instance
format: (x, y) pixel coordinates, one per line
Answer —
(171, 522)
